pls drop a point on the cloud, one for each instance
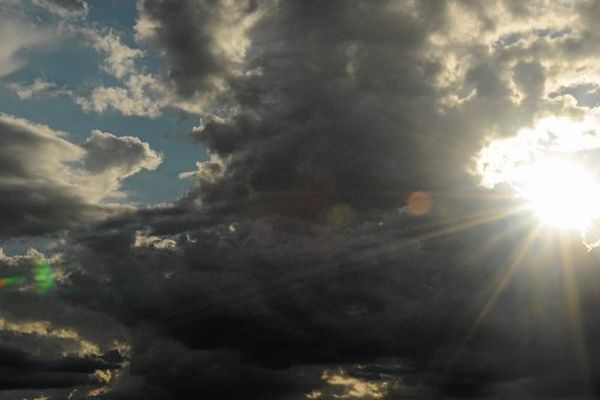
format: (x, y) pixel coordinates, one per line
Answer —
(19, 370)
(295, 270)
(138, 93)
(204, 42)
(273, 297)
(48, 345)
(39, 87)
(64, 8)
(43, 189)
(119, 156)
(198, 71)
(18, 37)
(143, 239)
(293, 255)
(140, 96)
(119, 58)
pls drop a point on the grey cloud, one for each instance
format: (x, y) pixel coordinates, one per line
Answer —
(275, 301)
(294, 254)
(203, 41)
(296, 136)
(124, 155)
(35, 197)
(50, 347)
(42, 189)
(19, 370)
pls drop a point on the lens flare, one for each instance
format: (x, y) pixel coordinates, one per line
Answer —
(419, 203)
(12, 280)
(42, 276)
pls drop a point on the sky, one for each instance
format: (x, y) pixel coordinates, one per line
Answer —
(289, 199)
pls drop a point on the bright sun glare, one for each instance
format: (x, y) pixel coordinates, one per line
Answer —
(562, 193)
(546, 167)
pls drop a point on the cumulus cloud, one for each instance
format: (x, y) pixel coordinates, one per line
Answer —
(139, 96)
(200, 65)
(292, 254)
(119, 156)
(204, 42)
(42, 188)
(138, 93)
(295, 270)
(119, 59)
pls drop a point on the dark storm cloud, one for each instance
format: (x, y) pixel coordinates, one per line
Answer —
(293, 267)
(189, 35)
(19, 370)
(264, 301)
(273, 301)
(50, 346)
(335, 113)
(293, 255)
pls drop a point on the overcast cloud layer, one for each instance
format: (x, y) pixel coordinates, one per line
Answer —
(293, 267)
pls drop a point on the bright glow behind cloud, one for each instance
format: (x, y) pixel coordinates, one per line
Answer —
(562, 193)
(549, 167)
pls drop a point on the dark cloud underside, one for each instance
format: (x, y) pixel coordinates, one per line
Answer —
(292, 269)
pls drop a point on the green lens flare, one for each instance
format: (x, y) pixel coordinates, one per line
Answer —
(12, 280)
(43, 277)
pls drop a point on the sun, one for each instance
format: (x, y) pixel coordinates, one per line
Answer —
(550, 167)
(562, 193)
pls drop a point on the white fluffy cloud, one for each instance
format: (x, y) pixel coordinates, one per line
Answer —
(119, 59)
(139, 95)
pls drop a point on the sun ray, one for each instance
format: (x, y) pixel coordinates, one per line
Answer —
(316, 271)
(501, 284)
(549, 168)
(573, 306)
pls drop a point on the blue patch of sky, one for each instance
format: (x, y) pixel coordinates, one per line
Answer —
(507, 40)
(166, 134)
(586, 94)
(19, 246)
(118, 14)
(513, 37)
(75, 65)
(552, 33)
(121, 15)
(70, 64)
